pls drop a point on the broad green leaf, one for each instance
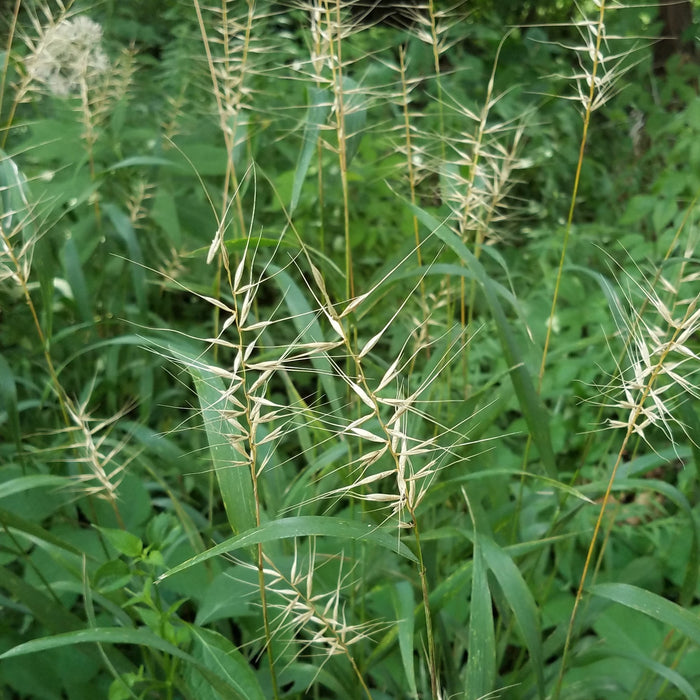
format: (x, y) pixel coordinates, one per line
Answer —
(235, 481)
(316, 116)
(404, 604)
(354, 117)
(533, 410)
(690, 418)
(520, 601)
(138, 341)
(111, 576)
(203, 158)
(124, 542)
(481, 664)
(133, 502)
(234, 478)
(624, 642)
(141, 637)
(324, 463)
(609, 291)
(123, 226)
(304, 675)
(33, 481)
(639, 466)
(227, 596)
(309, 330)
(14, 204)
(164, 212)
(54, 618)
(76, 279)
(651, 604)
(33, 531)
(672, 494)
(8, 401)
(301, 526)
(222, 658)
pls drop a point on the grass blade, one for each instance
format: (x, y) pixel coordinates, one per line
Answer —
(404, 604)
(481, 665)
(301, 526)
(140, 637)
(35, 481)
(520, 601)
(222, 658)
(653, 605)
(320, 105)
(309, 330)
(533, 410)
(125, 229)
(8, 402)
(235, 482)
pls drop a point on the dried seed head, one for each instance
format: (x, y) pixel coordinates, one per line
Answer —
(67, 56)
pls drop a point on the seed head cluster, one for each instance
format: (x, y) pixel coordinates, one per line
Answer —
(67, 56)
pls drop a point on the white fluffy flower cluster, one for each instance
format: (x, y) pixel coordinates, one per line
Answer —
(68, 55)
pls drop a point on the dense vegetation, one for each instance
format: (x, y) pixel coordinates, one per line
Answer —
(346, 360)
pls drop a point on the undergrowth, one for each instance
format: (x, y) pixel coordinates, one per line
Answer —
(342, 360)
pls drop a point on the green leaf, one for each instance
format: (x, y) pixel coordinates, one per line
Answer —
(481, 664)
(623, 641)
(227, 596)
(14, 202)
(8, 401)
(222, 658)
(354, 117)
(303, 676)
(34, 481)
(164, 212)
(123, 226)
(533, 410)
(76, 279)
(241, 245)
(112, 576)
(404, 604)
(609, 291)
(309, 330)
(235, 481)
(520, 601)
(690, 418)
(672, 494)
(316, 116)
(140, 637)
(664, 211)
(301, 526)
(653, 605)
(33, 531)
(204, 158)
(124, 542)
(53, 617)
(140, 161)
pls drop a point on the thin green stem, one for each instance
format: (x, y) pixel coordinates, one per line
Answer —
(631, 430)
(577, 178)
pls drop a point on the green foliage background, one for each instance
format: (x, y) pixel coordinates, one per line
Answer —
(345, 361)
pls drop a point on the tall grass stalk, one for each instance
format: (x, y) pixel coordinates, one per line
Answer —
(228, 59)
(593, 41)
(3, 75)
(646, 407)
(19, 237)
(592, 99)
(292, 465)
